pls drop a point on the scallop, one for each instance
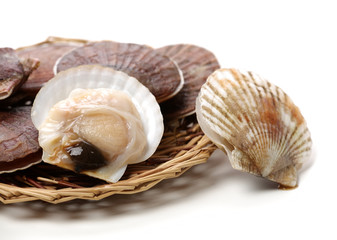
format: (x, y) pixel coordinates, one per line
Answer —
(255, 123)
(196, 64)
(95, 120)
(158, 73)
(19, 145)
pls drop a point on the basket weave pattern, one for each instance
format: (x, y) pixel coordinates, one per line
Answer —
(180, 149)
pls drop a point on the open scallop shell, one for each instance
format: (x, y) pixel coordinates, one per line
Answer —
(197, 64)
(95, 76)
(157, 72)
(47, 52)
(255, 123)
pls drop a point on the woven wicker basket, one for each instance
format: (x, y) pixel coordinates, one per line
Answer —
(181, 148)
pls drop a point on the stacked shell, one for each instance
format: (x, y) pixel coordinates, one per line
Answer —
(18, 137)
(97, 104)
(255, 123)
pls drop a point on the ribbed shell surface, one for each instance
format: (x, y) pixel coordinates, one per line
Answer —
(19, 145)
(157, 72)
(197, 64)
(256, 123)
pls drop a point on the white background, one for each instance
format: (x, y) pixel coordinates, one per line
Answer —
(292, 43)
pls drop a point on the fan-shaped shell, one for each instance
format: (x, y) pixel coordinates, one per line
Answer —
(47, 52)
(158, 73)
(196, 64)
(93, 77)
(256, 123)
(19, 145)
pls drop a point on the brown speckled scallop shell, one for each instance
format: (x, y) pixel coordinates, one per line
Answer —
(19, 145)
(157, 72)
(47, 52)
(197, 64)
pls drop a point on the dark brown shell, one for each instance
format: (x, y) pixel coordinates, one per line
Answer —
(13, 71)
(197, 64)
(157, 72)
(47, 52)
(21, 163)
(18, 139)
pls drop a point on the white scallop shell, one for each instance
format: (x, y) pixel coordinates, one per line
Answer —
(255, 123)
(95, 76)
